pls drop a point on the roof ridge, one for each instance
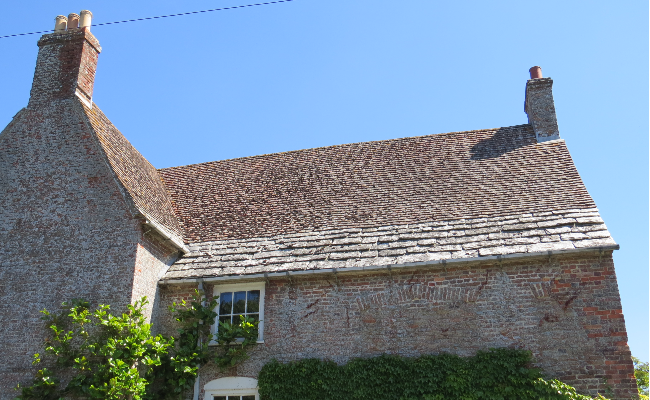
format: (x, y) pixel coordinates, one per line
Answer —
(346, 144)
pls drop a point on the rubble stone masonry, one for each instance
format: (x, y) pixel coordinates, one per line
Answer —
(66, 231)
(565, 309)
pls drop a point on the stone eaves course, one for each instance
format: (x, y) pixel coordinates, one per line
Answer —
(396, 244)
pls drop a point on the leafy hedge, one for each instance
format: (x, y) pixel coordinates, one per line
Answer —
(497, 374)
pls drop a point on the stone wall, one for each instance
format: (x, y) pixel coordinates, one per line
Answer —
(65, 229)
(153, 259)
(66, 232)
(566, 310)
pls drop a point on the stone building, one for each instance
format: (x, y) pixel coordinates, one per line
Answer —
(450, 242)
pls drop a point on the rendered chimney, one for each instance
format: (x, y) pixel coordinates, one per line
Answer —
(66, 63)
(60, 24)
(540, 107)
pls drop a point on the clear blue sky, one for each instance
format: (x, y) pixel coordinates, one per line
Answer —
(313, 73)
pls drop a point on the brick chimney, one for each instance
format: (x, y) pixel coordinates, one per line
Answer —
(67, 61)
(540, 107)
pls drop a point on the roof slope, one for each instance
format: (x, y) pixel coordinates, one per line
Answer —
(443, 177)
(140, 179)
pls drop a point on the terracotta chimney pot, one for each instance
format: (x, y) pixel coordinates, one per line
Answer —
(73, 21)
(60, 24)
(86, 18)
(535, 72)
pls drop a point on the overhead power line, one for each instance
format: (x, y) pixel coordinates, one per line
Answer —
(160, 16)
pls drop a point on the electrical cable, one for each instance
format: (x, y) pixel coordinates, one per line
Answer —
(160, 16)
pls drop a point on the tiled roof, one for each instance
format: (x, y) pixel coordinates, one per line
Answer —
(368, 248)
(140, 179)
(435, 178)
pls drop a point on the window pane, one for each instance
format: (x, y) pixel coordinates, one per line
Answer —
(225, 300)
(248, 398)
(219, 397)
(225, 319)
(236, 319)
(239, 303)
(253, 305)
(256, 317)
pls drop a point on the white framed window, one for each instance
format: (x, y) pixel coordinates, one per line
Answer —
(231, 388)
(240, 299)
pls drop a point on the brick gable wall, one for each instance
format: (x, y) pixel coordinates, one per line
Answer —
(65, 229)
(66, 232)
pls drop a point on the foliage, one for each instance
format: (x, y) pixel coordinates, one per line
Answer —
(234, 340)
(106, 356)
(178, 369)
(501, 374)
(641, 375)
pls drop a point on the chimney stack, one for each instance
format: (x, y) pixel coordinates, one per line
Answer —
(67, 61)
(540, 107)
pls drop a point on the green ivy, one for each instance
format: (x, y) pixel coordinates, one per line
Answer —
(497, 374)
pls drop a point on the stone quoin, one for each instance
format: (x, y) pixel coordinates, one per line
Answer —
(452, 242)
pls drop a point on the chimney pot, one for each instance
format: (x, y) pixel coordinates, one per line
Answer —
(86, 18)
(73, 21)
(536, 72)
(60, 24)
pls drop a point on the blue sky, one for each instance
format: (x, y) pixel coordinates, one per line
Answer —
(312, 73)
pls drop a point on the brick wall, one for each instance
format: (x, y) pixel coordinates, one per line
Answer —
(66, 62)
(566, 310)
(66, 232)
(65, 229)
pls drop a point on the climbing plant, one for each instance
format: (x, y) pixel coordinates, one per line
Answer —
(498, 374)
(234, 341)
(101, 355)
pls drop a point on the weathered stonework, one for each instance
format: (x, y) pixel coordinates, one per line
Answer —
(541, 109)
(67, 225)
(566, 310)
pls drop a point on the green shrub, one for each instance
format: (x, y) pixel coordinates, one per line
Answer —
(497, 374)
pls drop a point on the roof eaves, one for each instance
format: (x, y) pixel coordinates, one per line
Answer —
(174, 239)
(374, 268)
